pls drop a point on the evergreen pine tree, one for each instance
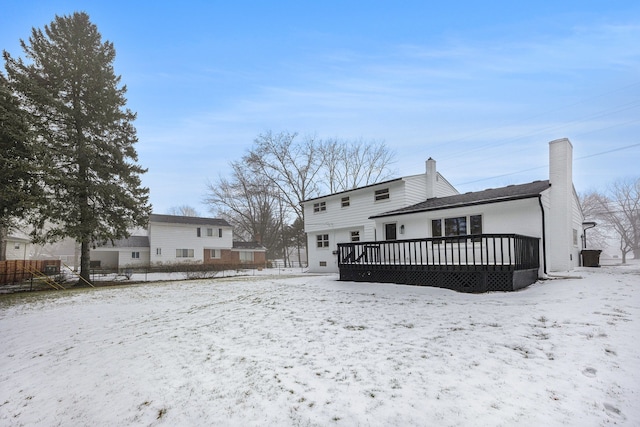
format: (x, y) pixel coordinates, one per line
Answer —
(84, 135)
(18, 179)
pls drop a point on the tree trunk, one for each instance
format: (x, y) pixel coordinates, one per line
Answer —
(85, 265)
(3, 243)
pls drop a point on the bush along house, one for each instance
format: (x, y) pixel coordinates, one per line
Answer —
(420, 230)
(171, 239)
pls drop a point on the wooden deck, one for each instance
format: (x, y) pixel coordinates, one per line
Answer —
(472, 263)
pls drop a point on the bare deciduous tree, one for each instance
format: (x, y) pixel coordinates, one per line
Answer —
(249, 205)
(287, 164)
(619, 208)
(184, 210)
(353, 164)
(597, 236)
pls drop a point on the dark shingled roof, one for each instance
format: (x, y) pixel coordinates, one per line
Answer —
(176, 219)
(248, 245)
(131, 242)
(491, 195)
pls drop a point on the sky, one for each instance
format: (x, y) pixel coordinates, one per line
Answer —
(481, 87)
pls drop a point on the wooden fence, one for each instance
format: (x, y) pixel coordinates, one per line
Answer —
(18, 270)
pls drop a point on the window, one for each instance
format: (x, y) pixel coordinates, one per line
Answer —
(214, 253)
(382, 194)
(246, 256)
(323, 263)
(455, 226)
(158, 251)
(319, 207)
(135, 255)
(390, 232)
(210, 232)
(355, 236)
(575, 237)
(184, 253)
(345, 202)
(198, 231)
(16, 246)
(436, 228)
(219, 232)
(322, 240)
(476, 224)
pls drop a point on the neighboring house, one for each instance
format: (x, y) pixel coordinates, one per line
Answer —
(172, 239)
(544, 212)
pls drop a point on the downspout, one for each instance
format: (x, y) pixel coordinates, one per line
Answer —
(544, 234)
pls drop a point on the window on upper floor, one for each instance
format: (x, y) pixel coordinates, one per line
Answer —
(319, 207)
(345, 202)
(355, 236)
(210, 232)
(322, 240)
(219, 232)
(382, 194)
(158, 251)
(198, 231)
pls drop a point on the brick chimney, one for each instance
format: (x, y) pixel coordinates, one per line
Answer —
(431, 177)
(560, 230)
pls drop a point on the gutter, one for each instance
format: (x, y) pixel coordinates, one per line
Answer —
(544, 234)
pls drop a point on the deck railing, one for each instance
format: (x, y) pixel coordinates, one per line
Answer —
(479, 251)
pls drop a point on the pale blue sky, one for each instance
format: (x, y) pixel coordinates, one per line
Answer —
(482, 88)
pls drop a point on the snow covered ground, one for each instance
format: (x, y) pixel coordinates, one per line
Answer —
(310, 350)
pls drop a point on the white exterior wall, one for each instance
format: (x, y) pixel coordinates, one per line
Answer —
(18, 249)
(168, 237)
(120, 257)
(518, 216)
(338, 222)
(125, 257)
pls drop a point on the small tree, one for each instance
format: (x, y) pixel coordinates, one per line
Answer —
(85, 135)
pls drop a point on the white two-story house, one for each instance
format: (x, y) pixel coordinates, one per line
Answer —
(347, 216)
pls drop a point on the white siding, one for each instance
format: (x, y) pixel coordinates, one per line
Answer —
(18, 249)
(443, 188)
(337, 221)
(112, 258)
(519, 217)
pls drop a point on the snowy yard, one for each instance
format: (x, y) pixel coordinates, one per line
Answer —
(310, 350)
